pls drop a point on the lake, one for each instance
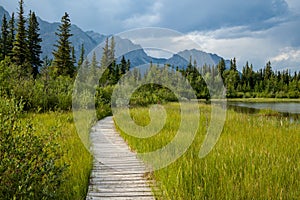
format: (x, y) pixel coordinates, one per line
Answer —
(290, 110)
(282, 107)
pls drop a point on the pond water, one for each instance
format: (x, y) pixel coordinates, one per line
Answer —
(289, 110)
(282, 107)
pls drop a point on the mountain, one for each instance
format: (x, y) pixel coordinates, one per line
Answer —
(134, 52)
(2, 13)
(97, 37)
(182, 58)
(47, 31)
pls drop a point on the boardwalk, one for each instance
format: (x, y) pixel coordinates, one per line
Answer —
(117, 173)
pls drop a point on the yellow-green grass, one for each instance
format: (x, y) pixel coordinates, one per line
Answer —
(256, 157)
(75, 154)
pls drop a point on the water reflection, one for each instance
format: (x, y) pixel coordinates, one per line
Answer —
(289, 111)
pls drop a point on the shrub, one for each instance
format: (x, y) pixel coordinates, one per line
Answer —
(29, 162)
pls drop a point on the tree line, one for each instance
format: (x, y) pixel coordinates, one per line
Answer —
(47, 84)
(42, 84)
(249, 83)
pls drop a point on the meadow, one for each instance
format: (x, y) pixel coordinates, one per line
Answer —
(41, 155)
(256, 157)
(77, 158)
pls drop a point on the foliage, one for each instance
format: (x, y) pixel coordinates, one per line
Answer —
(43, 94)
(29, 164)
(79, 159)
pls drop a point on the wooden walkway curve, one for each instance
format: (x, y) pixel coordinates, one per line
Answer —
(117, 173)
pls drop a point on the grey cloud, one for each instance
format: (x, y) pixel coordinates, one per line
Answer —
(185, 16)
(214, 14)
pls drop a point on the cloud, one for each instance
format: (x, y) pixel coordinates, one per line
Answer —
(150, 18)
(254, 31)
(288, 58)
(202, 15)
(189, 15)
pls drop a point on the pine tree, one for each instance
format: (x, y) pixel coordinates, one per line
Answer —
(267, 71)
(128, 66)
(93, 78)
(4, 39)
(11, 34)
(81, 58)
(112, 50)
(105, 65)
(105, 55)
(233, 65)
(123, 65)
(73, 55)
(20, 50)
(34, 46)
(63, 62)
(221, 68)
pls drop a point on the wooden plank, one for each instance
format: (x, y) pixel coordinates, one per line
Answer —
(117, 172)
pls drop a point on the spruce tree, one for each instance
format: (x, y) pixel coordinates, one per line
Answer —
(73, 55)
(93, 78)
(112, 50)
(34, 46)
(221, 68)
(4, 39)
(233, 65)
(11, 34)
(20, 50)
(63, 62)
(105, 55)
(123, 65)
(81, 57)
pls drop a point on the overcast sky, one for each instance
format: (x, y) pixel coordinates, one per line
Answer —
(256, 30)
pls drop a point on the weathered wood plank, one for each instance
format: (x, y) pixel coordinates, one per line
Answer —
(117, 172)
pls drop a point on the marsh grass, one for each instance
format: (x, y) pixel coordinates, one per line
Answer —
(256, 157)
(77, 157)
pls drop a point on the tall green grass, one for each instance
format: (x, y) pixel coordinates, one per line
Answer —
(256, 157)
(77, 157)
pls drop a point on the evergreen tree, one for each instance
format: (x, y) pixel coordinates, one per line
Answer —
(73, 55)
(20, 50)
(105, 55)
(63, 63)
(11, 34)
(233, 65)
(4, 39)
(112, 50)
(123, 65)
(34, 46)
(128, 65)
(267, 71)
(221, 68)
(81, 57)
(93, 78)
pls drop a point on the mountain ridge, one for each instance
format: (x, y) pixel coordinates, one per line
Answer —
(134, 52)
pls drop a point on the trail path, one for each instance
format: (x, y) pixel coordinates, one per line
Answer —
(117, 173)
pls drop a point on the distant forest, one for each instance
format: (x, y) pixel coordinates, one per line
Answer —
(47, 84)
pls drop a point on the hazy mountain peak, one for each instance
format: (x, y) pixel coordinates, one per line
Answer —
(134, 52)
(2, 13)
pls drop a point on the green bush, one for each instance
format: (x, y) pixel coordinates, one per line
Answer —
(30, 165)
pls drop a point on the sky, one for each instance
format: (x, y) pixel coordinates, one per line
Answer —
(256, 31)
